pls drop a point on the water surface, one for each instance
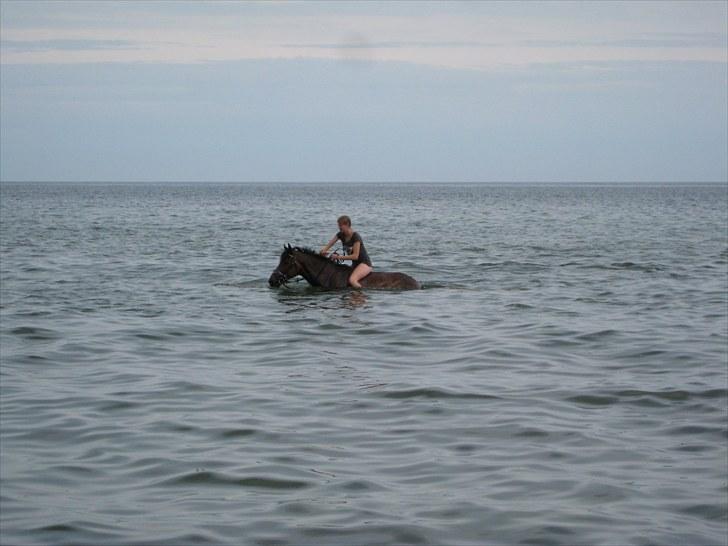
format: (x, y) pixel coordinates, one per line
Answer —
(561, 378)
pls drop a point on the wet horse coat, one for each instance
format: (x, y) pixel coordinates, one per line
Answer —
(321, 271)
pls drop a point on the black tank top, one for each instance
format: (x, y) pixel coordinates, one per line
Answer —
(349, 247)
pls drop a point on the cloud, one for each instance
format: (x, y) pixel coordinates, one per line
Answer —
(25, 46)
(656, 40)
(363, 44)
(466, 35)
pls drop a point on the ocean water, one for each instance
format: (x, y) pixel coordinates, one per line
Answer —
(562, 377)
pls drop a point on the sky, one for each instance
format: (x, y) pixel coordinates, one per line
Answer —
(456, 91)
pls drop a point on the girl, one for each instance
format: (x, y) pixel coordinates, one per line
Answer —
(355, 251)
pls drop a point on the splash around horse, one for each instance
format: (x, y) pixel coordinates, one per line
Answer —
(321, 271)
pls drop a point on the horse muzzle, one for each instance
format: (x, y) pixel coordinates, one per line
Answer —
(277, 278)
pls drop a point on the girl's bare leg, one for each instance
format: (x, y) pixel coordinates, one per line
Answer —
(361, 271)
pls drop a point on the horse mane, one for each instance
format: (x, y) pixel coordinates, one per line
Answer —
(311, 252)
(306, 250)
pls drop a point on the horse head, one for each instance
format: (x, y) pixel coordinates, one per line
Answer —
(288, 267)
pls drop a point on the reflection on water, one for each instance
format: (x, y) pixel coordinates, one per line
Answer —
(354, 298)
(299, 297)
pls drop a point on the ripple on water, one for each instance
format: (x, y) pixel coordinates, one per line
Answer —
(645, 398)
(34, 333)
(434, 393)
(207, 478)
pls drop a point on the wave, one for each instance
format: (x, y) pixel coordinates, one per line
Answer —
(219, 479)
(435, 393)
(645, 398)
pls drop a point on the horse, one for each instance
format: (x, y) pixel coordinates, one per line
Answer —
(321, 271)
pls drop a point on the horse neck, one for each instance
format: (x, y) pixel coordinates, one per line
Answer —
(316, 269)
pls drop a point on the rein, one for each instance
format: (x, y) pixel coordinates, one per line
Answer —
(323, 267)
(285, 278)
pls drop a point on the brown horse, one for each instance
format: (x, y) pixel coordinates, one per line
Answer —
(321, 271)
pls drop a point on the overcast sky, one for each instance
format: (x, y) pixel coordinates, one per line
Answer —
(364, 91)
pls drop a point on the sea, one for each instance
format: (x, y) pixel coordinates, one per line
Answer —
(560, 379)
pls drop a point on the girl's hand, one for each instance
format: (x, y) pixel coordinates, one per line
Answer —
(322, 251)
(335, 257)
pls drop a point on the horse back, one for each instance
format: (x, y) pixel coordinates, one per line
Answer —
(394, 280)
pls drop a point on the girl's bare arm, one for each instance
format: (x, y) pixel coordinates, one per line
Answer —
(331, 243)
